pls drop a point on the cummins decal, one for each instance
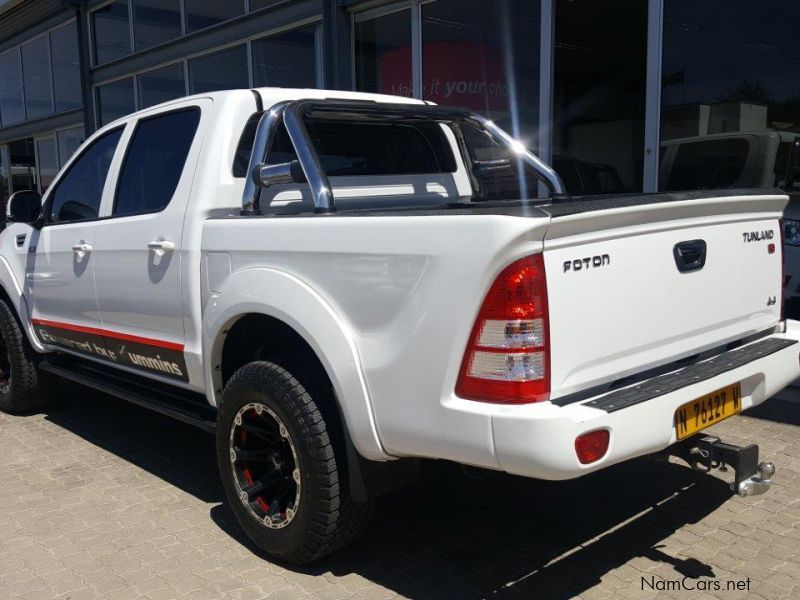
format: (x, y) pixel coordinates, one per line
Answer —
(154, 356)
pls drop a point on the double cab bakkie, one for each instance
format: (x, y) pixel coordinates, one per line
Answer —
(339, 284)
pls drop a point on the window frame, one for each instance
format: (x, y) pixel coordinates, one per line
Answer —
(134, 126)
(47, 202)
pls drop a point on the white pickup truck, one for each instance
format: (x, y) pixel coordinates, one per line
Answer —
(338, 284)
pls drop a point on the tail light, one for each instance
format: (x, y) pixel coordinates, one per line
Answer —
(508, 356)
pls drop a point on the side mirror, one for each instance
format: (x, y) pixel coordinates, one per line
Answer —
(24, 207)
(288, 172)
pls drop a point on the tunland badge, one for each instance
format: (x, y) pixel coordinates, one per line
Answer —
(590, 262)
(757, 236)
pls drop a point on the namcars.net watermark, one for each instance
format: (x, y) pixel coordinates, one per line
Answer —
(703, 584)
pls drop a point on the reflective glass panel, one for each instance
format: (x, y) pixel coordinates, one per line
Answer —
(115, 100)
(219, 71)
(383, 54)
(160, 85)
(38, 83)
(286, 60)
(66, 67)
(112, 36)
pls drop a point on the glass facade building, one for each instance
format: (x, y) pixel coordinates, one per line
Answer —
(630, 96)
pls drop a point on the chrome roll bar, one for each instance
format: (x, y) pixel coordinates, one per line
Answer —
(267, 125)
(309, 161)
(544, 171)
(294, 113)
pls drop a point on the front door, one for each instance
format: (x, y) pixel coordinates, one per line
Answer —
(138, 248)
(59, 275)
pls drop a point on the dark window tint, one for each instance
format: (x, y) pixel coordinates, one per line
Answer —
(347, 148)
(23, 164)
(155, 22)
(38, 84)
(730, 67)
(480, 55)
(77, 196)
(154, 162)
(223, 70)
(160, 85)
(66, 67)
(708, 165)
(115, 100)
(285, 60)
(112, 38)
(12, 108)
(599, 76)
(372, 148)
(204, 13)
(383, 54)
(245, 146)
(256, 4)
(69, 140)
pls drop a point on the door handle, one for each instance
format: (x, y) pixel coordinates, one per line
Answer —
(161, 247)
(82, 249)
(690, 255)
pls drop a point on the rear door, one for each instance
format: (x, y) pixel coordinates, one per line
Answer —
(59, 275)
(138, 247)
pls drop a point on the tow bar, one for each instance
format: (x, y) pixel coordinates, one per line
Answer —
(708, 452)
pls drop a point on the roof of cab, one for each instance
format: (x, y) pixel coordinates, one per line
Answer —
(273, 95)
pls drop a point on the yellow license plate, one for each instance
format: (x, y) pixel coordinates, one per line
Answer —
(711, 408)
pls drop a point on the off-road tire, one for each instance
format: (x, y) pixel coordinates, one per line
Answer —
(326, 518)
(27, 389)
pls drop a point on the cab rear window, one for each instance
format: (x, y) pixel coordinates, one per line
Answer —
(350, 148)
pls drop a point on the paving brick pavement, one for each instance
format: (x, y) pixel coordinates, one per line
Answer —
(101, 499)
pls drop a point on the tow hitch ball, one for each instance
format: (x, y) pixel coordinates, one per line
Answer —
(751, 477)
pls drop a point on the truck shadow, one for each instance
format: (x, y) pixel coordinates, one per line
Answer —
(448, 535)
(778, 411)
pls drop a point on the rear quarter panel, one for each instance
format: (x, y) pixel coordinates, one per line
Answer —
(403, 291)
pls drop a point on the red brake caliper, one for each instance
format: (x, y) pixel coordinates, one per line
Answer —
(249, 479)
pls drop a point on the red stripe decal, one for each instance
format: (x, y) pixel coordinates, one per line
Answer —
(110, 334)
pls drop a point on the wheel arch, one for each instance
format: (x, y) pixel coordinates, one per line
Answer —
(296, 328)
(11, 293)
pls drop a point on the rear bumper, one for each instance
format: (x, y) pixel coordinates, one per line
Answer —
(537, 440)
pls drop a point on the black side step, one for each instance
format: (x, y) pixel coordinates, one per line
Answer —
(183, 405)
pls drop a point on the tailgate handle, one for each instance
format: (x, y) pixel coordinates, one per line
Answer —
(690, 255)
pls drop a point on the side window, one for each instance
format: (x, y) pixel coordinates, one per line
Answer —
(77, 196)
(154, 162)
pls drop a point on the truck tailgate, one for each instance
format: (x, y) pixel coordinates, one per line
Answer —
(631, 288)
